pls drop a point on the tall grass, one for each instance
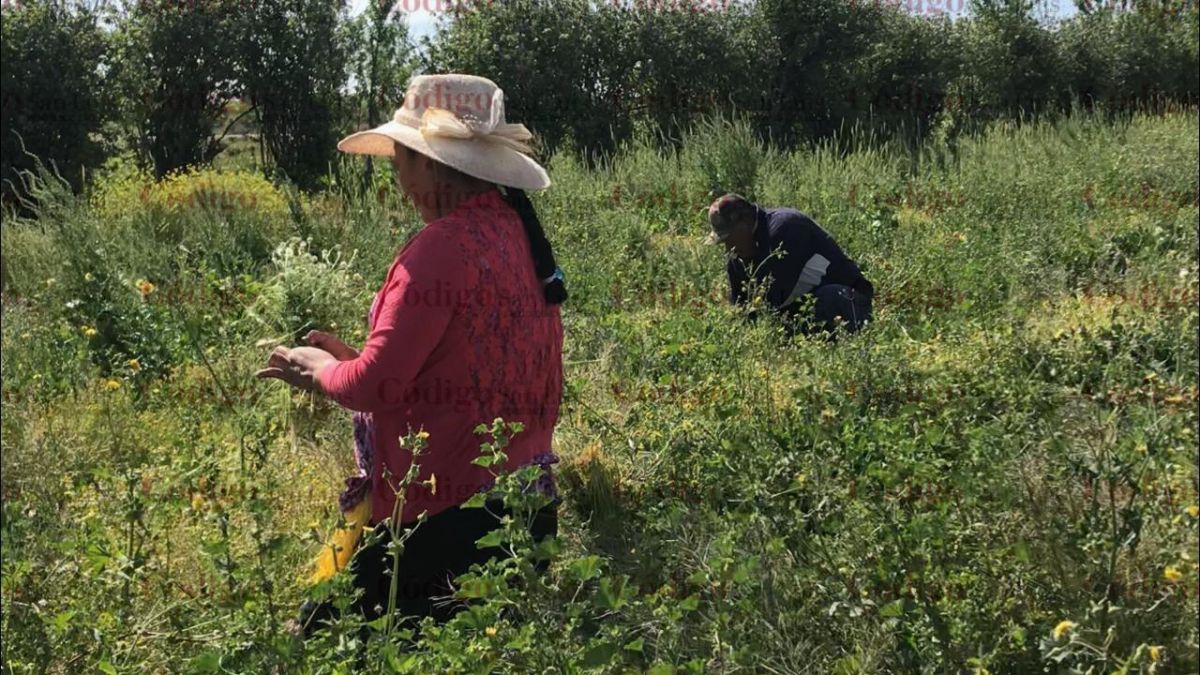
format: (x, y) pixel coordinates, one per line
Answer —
(1010, 445)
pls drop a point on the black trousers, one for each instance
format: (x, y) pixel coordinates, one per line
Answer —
(833, 306)
(442, 548)
(839, 305)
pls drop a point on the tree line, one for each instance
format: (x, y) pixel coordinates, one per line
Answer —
(158, 78)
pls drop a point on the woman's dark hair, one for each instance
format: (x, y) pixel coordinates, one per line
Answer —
(543, 255)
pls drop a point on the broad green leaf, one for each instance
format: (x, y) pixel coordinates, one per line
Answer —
(585, 568)
(599, 654)
(491, 539)
(613, 593)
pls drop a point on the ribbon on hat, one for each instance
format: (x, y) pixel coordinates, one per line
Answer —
(443, 123)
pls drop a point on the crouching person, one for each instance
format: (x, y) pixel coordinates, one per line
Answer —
(785, 255)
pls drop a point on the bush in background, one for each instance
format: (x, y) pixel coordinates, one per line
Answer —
(54, 98)
(292, 66)
(583, 76)
(173, 66)
(562, 64)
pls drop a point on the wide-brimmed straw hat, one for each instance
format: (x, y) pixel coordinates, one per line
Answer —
(457, 120)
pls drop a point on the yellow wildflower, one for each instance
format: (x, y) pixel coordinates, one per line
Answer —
(1064, 627)
(1172, 574)
(112, 384)
(88, 331)
(144, 287)
(432, 483)
(88, 277)
(135, 365)
(422, 435)
(491, 631)
(1193, 511)
(1156, 653)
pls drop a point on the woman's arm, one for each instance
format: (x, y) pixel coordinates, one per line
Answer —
(426, 288)
(332, 344)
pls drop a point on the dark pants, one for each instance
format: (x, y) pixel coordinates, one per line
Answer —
(836, 305)
(442, 548)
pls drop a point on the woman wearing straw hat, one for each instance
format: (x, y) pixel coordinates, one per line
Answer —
(465, 329)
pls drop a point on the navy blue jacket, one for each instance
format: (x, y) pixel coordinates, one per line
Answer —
(794, 255)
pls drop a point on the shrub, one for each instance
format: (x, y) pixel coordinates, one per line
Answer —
(544, 55)
(902, 81)
(54, 94)
(308, 291)
(223, 194)
(1085, 47)
(174, 69)
(292, 65)
(232, 218)
(1010, 59)
(724, 155)
(1155, 57)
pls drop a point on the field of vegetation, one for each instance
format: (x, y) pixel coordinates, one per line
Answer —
(998, 475)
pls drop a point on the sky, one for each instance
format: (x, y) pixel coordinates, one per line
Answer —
(421, 21)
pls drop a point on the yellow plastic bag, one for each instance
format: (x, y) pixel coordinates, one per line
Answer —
(336, 555)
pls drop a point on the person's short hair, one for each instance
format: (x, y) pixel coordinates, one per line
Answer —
(730, 211)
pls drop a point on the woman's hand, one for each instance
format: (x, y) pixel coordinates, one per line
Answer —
(330, 343)
(300, 367)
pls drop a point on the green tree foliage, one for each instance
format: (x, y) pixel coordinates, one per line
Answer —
(812, 81)
(174, 72)
(1086, 47)
(902, 81)
(1155, 54)
(688, 62)
(802, 71)
(53, 93)
(1010, 60)
(179, 64)
(292, 67)
(581, 74)
(561, 63)
(380, 63)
